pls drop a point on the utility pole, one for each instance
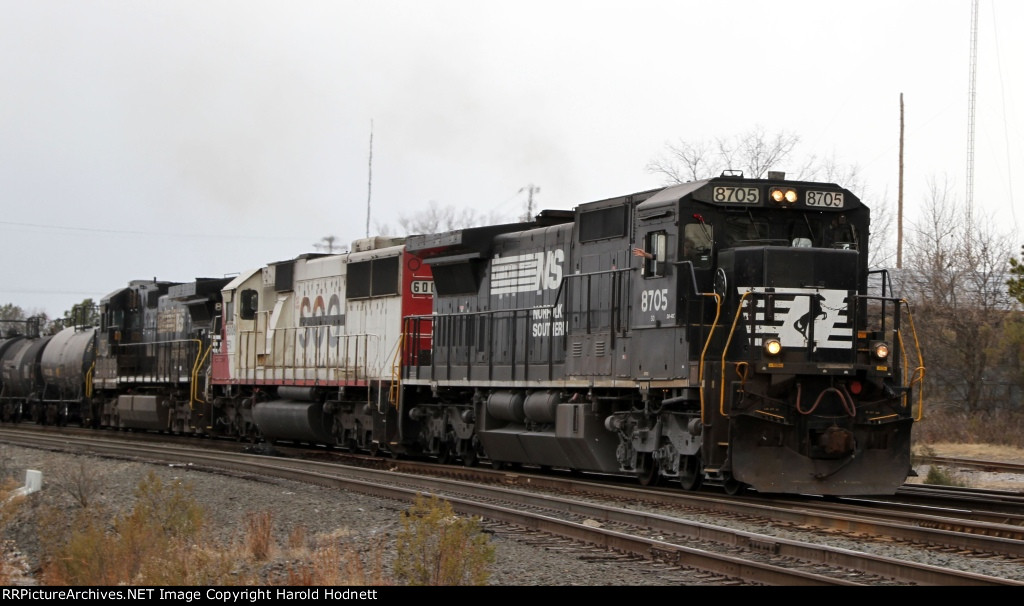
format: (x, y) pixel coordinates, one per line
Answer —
(971, 94)
(369, 184)
(329, 246)
(530, 189)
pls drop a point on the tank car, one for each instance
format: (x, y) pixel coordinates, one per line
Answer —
(66, 367)
(20, 383)
(23, 383)
(47, 379)
(309, 347)
(715, 332)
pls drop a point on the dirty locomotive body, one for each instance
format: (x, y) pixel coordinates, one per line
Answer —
(737, 345)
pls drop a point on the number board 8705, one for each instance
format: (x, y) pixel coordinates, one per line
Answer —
(826, 199)
(736, 194)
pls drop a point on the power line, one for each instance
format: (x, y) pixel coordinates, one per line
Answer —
(128, 232)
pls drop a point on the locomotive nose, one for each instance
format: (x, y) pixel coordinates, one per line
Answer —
(836, 441)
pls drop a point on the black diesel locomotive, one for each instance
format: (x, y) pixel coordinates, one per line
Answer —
(716, 332)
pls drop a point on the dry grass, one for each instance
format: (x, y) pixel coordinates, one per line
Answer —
(10, 506)
(260, 535)
(1000, 428)
(161, 541)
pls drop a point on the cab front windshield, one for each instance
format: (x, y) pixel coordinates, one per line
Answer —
(774, 229)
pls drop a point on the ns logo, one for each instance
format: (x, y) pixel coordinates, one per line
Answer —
(795, 311)
(527, 272)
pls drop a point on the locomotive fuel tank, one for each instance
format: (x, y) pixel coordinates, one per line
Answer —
(293, 420)
(299, 415)
(143, 412)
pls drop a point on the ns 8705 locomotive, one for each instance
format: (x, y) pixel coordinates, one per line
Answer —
(718, 332)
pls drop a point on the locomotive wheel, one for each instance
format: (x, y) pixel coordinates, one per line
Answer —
(444, 453)
(648, 475)
(690, 475)
(733, 487)
(498, 465)
(470, 459)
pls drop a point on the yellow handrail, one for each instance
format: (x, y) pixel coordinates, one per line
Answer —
(725, 350)
(88, 379)
(703, 352)
(193, 395)
(917, 376)
(396, 375)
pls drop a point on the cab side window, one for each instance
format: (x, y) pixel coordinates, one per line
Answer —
(696, 246)
(250, 304)
(656, 243)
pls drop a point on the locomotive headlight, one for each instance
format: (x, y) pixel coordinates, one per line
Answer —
(880, 349)
(772, 347)
(783, 194)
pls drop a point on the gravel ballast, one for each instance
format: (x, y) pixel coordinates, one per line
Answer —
(359, 524)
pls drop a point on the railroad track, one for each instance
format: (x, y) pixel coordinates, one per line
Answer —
(516, 503)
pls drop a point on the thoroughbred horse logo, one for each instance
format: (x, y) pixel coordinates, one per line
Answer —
(803, 322)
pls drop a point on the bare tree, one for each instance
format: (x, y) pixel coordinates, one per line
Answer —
(12, 318)
(436, 218)
(956, 277)
(753, 152)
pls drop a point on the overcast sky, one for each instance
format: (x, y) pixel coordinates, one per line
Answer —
(183, 139)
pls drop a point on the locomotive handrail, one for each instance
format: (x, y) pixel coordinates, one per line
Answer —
(886, 281)
(725, 351)
(616, 273)
(703, 352)
(445, 326)
(854, 305)
(920, 368)
(88, 379)
(159, 367)
(445, 329)
(693, 287)
(396, 374)
(356, 344)
(200, 361)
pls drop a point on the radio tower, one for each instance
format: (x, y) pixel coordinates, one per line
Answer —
(971, 93)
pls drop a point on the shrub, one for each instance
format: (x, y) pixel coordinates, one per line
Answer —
(941, 476)
(145, 546)
(10, 504)
(436, 547)
(260, 536)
